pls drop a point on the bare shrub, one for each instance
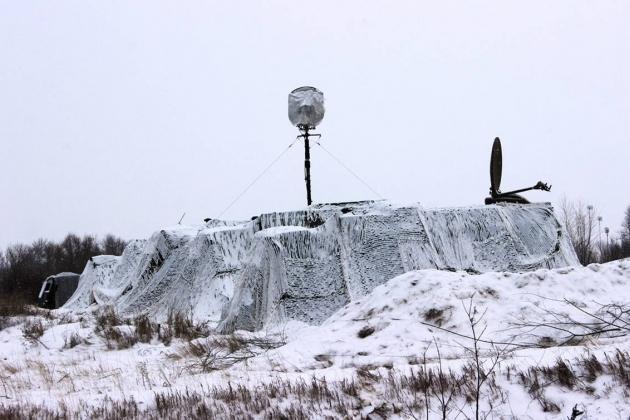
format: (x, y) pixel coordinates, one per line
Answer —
(72, 340)
(117, 338)
(106, 317)
(349, 387)
(574, 376)
(365, 374)
(445, 386)
(592, 367)
(533, 383)
(574, 324)
(560, 373)
(579, 222)
(33, 329)
(143, 328)
(165, 334)
(66, 318)
(481, 368)
(618, 366)
(185, 328)
(221, 351)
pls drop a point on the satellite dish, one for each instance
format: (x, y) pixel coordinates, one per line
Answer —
(306, 107)
(496, 167)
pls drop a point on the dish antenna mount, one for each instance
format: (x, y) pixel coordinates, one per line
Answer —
(496, 167)
(306, 111)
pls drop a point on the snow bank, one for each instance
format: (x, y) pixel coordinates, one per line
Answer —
(401, 315)
(304, 265)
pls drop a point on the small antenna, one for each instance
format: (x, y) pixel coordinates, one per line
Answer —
(306, 111)
(181, 218)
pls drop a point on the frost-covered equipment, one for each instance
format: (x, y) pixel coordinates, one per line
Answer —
(57, 289)
(496, 168)
(306, 111)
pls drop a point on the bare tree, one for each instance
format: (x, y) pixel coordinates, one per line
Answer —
(481, 371)
(625, 225)
(446, 385)
(112, 245)
(579, 221)
(24, 267)
(617, 246)
(625, 234)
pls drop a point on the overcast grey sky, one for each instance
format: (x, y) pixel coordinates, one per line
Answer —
(119, 116)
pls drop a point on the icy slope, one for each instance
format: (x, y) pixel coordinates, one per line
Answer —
(304, 265)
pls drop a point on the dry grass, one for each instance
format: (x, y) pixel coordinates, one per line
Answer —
(33, 329)
(577, 376)
(117, 338)
(15, 309)
(144, 328)
(18, 305)
(184, 327)
(379, 392)
(72, 340)
(106, 317)
(121, 333)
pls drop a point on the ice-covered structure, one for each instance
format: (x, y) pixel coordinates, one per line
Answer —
(304, 265)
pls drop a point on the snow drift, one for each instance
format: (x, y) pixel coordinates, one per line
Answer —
(304, 265)
(523, 309)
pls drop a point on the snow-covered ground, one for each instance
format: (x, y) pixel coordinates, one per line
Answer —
(548, 340)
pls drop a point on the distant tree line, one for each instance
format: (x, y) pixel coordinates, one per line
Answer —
(593, 240)
(24, 267)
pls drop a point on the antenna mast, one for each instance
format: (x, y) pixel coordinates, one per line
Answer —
(306, 111)
(307, 167)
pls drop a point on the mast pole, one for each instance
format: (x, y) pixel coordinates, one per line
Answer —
(307, 166)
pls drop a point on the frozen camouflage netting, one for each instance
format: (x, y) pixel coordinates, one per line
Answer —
(97, 273)
(304, 265)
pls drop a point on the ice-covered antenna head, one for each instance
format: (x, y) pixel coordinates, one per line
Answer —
(306, 111)
(306, 107)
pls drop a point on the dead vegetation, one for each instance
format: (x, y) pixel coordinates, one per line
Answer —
(302, 398)
(365, 331)
(472, 390)
(221, 351)
(573, 324)
(579, 376)
(15, 309)
(72, 340)
(33, 329)
(16, 306)
(184, 327)
(436, 316)
(425, 391)
(120, 333)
